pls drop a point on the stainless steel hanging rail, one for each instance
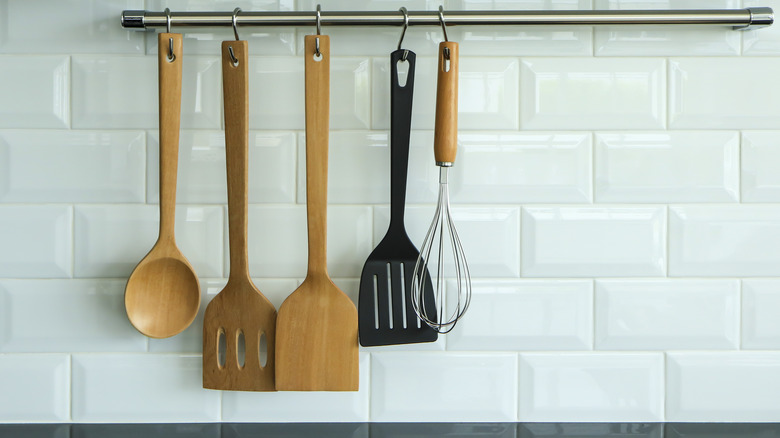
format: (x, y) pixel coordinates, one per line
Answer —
(750, 18)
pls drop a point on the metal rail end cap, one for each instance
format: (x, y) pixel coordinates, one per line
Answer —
(133, 20)
(759, 17)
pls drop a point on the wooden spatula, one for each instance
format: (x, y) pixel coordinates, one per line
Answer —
(239, 311)
(316, 331)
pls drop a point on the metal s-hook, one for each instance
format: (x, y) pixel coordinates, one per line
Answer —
(444, 30)
(171, 55)
(319, 32)
(235, 32)
(403, 32)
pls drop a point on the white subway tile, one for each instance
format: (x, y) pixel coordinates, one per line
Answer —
(661, 314)
(141, 388)
(760, 161)
(695, 166)
(76, 26)
(521, 40)
(526, 315)
(764, 41)
(201, 172)
(112, 239)
(760, 324)
(72, 166)
(46, 316)
(35, 90)
(277, 92)
(488, 394)
(280, 244)
(489, 236)
(37, 241)
(359, 168)
(594, 241)
(116, 92)
(605, 387)
(487, 93)
(589, 93)
(718, 241)
(35, 388)
(669, 40)
(522, 168)
(699, 99)
(723, 387)
(276, 86)
(291, 406)
(490, 168)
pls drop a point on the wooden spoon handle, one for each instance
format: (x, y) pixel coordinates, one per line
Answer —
(317, 102)
(169, 71)
(445, 136)
(235, 84)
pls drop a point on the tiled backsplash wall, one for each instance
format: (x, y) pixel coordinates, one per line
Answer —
(614, 191)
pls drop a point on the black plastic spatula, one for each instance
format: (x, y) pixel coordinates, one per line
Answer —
(385, 313)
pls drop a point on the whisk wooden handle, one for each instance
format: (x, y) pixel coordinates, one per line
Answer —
(445, 138)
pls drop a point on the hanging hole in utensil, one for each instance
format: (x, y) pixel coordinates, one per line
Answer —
(376, 303)
(171, 56)
(317, 57)
(221, 348)
(403, 293)
(262, 349)
(233, 59)
(402, 69)
(446, 63)
(240, 349)
(390, 295)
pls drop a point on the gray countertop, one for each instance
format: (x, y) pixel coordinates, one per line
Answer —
(389, 430)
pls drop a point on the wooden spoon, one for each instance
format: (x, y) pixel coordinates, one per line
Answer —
(316, 330)
(239, 312)
(162, 295)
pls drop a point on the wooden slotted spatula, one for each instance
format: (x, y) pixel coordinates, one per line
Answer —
(316, 331)
(239, 312)
(385, 312)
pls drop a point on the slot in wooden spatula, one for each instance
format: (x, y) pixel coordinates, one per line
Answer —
(239, 312)
(316, 331)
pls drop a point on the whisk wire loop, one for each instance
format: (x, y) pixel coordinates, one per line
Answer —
(441, 235)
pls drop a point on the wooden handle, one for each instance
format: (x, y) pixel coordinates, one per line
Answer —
(317, 119)
(235, 91)
(445, 136)
(170, 118)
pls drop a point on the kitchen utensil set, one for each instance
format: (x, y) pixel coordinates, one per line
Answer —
(312, 344)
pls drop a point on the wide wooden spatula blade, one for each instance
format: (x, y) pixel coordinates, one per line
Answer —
(316, 331)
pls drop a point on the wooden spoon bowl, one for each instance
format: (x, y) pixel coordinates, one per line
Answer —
(163, 294)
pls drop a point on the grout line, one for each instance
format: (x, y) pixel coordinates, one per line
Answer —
(70, 388)
(664, 385)
(668, 240)
(73, 241)
(593, 313)
(740, 306)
